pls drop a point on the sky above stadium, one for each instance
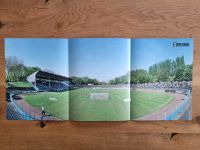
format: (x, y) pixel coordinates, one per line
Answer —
(47, 54)
(146, 52)
(99, 58)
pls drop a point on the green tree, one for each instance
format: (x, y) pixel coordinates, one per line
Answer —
(163, 76)
(188, 73)
(180, 73)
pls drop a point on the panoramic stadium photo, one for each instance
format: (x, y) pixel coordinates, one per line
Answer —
(37, 83)
(161, 79)
(98, 79)
(99, 70)
(43, 84)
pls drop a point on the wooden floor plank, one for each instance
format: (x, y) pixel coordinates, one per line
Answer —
(100, 18)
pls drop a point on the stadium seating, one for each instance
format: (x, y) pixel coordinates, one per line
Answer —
(12, 113)
(163, 85)
(45, 86)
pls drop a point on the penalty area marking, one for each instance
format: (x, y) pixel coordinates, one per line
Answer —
(53, 99)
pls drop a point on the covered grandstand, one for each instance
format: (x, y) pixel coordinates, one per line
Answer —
(44, 81)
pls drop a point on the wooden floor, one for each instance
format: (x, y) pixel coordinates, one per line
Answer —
(101, 18)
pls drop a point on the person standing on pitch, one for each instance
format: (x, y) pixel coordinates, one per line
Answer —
(43, 111)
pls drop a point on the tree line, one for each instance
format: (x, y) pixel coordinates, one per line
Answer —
(85, 81)
(164, 71)
(16, 70)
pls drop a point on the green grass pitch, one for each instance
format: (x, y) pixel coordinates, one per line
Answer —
(81, 108)
(113, 109)
(58, 108)
(144, 103)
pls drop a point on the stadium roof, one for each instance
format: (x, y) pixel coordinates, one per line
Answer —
(51, 76)
(47, 76)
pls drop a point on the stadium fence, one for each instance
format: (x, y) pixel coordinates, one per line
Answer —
(176, 114)
(17, 112)
(181, 109)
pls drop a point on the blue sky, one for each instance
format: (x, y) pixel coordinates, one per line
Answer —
(100, 58)
(146, 52)
(49, 54)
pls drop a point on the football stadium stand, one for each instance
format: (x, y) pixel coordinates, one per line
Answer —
(48, 82)
(39, 81)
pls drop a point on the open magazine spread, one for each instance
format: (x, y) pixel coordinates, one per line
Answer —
(98, 79)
